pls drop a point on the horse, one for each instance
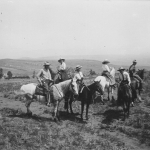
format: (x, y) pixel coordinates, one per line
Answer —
(105, 84)
(125, 98)
(135, 86)
(85, 96)
(65, 75)
(57, 91)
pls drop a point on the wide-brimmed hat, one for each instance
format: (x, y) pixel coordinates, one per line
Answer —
(46, 63)
(134, 61)
(105, 61)
(61, 59)
(121, 68)
(78, 67)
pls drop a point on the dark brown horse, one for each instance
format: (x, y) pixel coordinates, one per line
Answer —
(125, 98)
(135, 85)
(67, 74)
(85, 96)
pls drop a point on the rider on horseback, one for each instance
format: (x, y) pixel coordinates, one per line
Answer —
(106, 72)
(133, 73)
(79, 77)
(62, 67)
(44, 78)
(125, 80)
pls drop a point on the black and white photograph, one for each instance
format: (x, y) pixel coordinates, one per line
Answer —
(74, 74)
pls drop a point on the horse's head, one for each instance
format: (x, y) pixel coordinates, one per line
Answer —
(141, 72)
(74, 87)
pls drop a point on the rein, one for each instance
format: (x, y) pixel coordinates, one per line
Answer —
(58, 91)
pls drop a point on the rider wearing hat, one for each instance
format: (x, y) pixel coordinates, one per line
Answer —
(62, 67)
(125, 78)
(133, 73)
(45, 79)
(79, 76)
(106, 71)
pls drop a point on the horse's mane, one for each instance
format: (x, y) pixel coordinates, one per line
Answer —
(64, 82)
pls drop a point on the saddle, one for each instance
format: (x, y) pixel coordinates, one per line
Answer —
(40, 89)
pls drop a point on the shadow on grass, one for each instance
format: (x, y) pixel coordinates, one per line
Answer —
(9, 112)
(63, 116)
(71, 117)
(98, 100)
(35, 117)
(110, 115)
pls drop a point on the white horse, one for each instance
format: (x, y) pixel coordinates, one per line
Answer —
(105, 84)
(57, 92)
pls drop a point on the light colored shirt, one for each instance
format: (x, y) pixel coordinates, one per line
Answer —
(44, 74)
(62, 66)
(105, 68)
(126, 77)
(78, 76)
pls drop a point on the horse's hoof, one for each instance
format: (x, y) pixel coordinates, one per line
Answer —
(55, 119)
(132, 104)
(49, 105)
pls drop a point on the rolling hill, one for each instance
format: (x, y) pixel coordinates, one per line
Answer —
(26, 67)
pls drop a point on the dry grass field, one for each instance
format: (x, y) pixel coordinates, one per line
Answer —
(104, 130)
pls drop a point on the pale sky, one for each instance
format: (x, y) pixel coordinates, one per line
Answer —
(40, 28)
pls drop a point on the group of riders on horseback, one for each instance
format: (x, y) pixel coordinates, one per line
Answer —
(44, 76)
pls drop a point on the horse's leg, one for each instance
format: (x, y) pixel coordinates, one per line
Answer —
(66, 104)
(108, 93)
(124, 109)
(55, 110)
(128, 107)
(28, 103)
(82, 108)
(70, 104)
(94, 97)
(112, 97)
(102, 99)
(139, 96)
(87, 108)
(58, 116)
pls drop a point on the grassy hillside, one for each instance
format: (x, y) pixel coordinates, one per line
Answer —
(26, 67)
(105, 129)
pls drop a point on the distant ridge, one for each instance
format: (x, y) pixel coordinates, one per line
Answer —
(125, 60)
(26, 67)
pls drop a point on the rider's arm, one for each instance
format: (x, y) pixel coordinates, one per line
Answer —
(38, 76)
(128, 77)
